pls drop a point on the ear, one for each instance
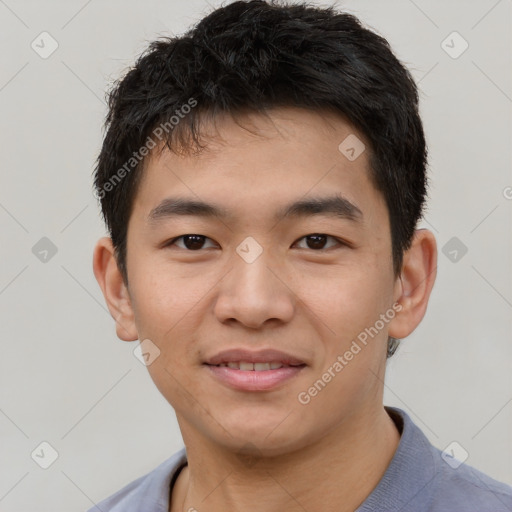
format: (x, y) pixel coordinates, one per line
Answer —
(413, 286)
(114, 289)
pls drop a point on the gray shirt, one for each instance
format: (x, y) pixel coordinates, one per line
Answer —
(418, 479)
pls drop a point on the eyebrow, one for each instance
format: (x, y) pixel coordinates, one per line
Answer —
(335, 206)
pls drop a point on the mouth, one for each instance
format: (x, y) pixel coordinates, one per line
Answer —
(250, 360)
(248, 370)
(245, 370)
(246, 366)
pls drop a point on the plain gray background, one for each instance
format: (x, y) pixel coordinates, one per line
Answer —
(66, 379)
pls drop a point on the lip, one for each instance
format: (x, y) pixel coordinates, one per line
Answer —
(252, 380)
(249, 356)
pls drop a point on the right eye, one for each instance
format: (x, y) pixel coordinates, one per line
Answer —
(191, 242)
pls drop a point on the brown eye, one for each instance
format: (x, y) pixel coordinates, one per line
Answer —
(317, 241)
(190, 242)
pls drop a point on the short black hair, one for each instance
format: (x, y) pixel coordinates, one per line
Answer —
(257, 55)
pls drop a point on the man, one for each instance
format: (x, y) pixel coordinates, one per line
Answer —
(262, 178)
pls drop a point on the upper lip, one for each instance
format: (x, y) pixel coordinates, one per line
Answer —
(261, 356)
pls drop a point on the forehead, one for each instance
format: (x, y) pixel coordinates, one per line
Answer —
(254, 161)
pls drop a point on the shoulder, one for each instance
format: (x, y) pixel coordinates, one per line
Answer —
(422, 478)
(149, 492)
(464, 488)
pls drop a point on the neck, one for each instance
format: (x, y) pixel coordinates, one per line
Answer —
(336, 473)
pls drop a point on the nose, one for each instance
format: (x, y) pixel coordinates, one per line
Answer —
(255, 293)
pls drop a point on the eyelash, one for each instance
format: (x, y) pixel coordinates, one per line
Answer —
(339, 241)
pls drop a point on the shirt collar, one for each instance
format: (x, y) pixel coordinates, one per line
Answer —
(154, 491)
(404, 486)
(406, 483)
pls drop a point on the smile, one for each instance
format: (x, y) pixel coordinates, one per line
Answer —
(258, 367)
(253, 376)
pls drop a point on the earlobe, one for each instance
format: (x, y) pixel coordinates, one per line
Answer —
(114, 289)
(415, 283)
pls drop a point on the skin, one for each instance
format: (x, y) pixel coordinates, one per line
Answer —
(297, 297)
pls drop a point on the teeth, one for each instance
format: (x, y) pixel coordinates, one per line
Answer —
(261, 366)
(258, 367)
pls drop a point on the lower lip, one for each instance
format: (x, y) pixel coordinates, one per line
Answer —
(252, 380)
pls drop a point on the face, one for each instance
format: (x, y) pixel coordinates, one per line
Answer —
(260, 274)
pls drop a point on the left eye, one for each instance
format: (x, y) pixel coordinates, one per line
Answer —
(317, 241)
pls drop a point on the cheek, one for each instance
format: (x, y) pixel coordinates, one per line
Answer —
(346, 298)
(169, 309)
(168, 313)
(163, 296)
(350, 306)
